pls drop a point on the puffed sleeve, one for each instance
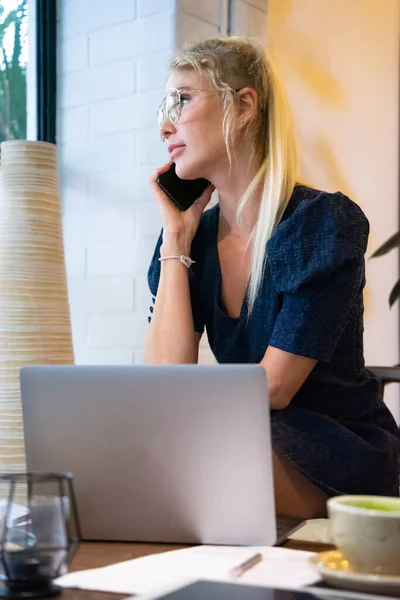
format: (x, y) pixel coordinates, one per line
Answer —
(316, 257)
(153, 278)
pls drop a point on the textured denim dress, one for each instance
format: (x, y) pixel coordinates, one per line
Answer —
(336, 431)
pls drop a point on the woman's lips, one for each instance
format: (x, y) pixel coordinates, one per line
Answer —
(175, 151)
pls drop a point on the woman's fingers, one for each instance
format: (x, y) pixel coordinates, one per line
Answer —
(170, 212)
(159, 193)
(160, 171)
(205, 197)
(173, 219)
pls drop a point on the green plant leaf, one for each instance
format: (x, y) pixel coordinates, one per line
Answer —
(391, 243)
(394, 294)
(13, 78)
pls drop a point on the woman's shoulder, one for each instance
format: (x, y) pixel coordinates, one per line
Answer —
(321, 239)
(319, 228)
(315, 214)
(318, 206)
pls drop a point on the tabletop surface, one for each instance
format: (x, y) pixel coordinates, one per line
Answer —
(100, 554)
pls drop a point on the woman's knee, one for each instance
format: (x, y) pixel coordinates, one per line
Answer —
(295, 495)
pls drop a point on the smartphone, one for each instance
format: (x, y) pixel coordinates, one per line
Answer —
(218, 590)
(182, 192)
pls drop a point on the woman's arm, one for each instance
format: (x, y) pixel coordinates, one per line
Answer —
(286, 374)
(316, 258)
(171, 336)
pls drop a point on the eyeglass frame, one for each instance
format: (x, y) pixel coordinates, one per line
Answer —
(161, 109)
(179, 110)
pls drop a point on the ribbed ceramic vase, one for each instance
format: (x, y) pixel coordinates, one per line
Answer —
(35, 325)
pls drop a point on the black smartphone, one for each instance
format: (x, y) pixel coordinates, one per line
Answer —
(216, 590)
(182, 192)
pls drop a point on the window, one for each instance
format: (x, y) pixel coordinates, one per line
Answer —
(13, 64)
(20, 43)
(46, 68)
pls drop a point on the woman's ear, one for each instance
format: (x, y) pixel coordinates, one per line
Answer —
(248, 103)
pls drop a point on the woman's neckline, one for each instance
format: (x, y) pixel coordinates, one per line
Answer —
(219, 276)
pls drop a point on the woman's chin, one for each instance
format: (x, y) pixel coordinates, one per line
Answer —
(185, 171)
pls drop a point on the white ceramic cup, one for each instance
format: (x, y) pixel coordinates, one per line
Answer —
(366, 529)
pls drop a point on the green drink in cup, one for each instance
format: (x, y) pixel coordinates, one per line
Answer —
(366, 529)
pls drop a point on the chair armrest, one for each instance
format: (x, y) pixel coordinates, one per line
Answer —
(387, 374)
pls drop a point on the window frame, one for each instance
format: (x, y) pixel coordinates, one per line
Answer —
(45, 39)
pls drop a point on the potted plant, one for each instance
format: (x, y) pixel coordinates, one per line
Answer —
(392, 242)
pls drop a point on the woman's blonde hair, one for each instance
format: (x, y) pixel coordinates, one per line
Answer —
(232, 63)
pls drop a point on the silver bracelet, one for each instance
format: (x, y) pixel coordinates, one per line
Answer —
(185, 260)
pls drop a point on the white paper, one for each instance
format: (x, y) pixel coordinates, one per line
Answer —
(283, 568)
(289, 568)
(17, 511)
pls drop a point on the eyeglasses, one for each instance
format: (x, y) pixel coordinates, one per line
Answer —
(171, 106)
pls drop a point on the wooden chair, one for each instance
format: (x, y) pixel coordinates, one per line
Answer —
(387, 375)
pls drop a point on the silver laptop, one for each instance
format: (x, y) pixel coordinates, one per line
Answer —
(178, 454)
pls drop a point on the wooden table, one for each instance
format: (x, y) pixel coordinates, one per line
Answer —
(101, 554)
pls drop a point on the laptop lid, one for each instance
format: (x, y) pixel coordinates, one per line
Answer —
(178, 454)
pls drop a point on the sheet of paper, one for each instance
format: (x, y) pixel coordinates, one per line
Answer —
(17, 510)
(150, 573)
(282, 567)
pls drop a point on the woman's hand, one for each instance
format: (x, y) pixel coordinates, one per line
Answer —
(179, 227)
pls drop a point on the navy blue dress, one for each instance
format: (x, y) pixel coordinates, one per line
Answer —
(336, 431)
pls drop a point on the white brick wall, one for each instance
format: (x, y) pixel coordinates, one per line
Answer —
(82, 16)
(196, 20)
(111, 152)
(112, 69)
(129, 112)
(207, 10)
(73, 124)
(74, 54)
(132, 39)
(250, 18)
(110, 258)
(151, 71)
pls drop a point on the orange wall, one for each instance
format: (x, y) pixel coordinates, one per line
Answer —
(339, 61)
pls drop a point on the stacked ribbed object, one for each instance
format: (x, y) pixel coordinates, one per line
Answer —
(35, 325)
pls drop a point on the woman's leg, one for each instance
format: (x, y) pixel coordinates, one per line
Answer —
(295, 496)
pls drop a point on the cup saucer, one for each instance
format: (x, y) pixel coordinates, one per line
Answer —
(335, 570)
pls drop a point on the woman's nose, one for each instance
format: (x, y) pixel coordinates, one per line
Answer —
(166, 128)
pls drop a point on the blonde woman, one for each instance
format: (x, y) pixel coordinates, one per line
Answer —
(277, 277)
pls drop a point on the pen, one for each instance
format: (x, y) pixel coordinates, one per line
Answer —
(238, 571)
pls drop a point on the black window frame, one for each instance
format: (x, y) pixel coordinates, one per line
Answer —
(46, 70)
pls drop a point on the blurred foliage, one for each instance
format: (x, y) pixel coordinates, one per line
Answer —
(392, 242)
(12, 73)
